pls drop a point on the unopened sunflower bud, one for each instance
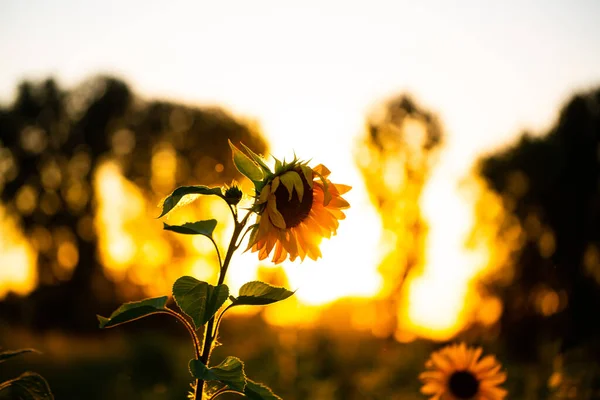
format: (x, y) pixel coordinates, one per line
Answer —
(233, 195)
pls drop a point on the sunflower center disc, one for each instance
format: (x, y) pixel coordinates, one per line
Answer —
(294, 211)
(463, 384)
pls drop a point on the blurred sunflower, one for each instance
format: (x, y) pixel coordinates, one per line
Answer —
(456, 373)
(297, 206)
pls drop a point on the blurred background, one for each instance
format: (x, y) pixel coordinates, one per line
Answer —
(469, 132)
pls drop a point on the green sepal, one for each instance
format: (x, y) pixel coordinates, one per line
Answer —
(135, 310)
(258, 159)
(175, 198)
(246, 165)
(230, 372)
(28, 386)
(258, 293)
(205, 228)
(278, 166)
(258, 391)
(199, 300)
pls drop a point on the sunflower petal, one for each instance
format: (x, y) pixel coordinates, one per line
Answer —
(308, 174)
(274, 214)
(274, 185)
(341, 188)
(322, 170)
(264, 194)
(291, 180)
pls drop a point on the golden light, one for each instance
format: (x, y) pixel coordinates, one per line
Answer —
(439, 299)
(437, 295)
(17, 258)
(133, 245)
(348, 267)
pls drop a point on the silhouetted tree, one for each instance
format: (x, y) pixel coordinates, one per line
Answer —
(55, 139)
(549, 187)
(395, 157)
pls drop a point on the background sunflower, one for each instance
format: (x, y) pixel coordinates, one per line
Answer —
(456, 372)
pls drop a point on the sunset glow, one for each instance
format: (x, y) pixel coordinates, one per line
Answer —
(310, 91)
(17, 258)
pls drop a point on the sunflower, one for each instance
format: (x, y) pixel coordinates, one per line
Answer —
(297, 207)
(456, 373)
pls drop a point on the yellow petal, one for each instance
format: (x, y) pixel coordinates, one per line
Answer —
(325, 187)
(308, 174)
(274, 184)
(475, 357)
(322, 170)
(432, 388)
(338, 202)
(441, 362)
(264, 194)
(341, 188)
(487, 362)
(279, 254)
(291, 180)
(274, 214)
(290, 244)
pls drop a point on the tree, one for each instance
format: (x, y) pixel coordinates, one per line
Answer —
(57, 139)
(550, 195)
(396, 156)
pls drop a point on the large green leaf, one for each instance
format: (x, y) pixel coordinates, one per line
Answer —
(134, 310)
(258, 293)
(205, 228)
(200, 300)
(258, 391)
(176, 198)
(229, 372)
(5, 355)
(245, 165)
(28, 386)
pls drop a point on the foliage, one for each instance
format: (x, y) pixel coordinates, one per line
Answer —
(27, 386)
(549, 196)
(201, 301)
(53, 141)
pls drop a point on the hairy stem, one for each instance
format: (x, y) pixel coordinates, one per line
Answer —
(225, 390)
(190, 328)
(211, 332)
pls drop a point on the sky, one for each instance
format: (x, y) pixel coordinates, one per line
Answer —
(309, 72)
(312, 69)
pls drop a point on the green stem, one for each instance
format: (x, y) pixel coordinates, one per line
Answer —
(211, 332)
(218, 252)
(190, 329)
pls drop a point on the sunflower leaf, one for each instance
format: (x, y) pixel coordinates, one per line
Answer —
(199, 300)
(5, 355)
(135, 310)
(258, 293)
(205, 228)
(253, 229)
(245, 165)
(28, 386)
(175, 199)
(258, 391)
(229, 372)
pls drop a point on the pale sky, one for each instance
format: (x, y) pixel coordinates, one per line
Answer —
(317, 65)
(309, 71)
